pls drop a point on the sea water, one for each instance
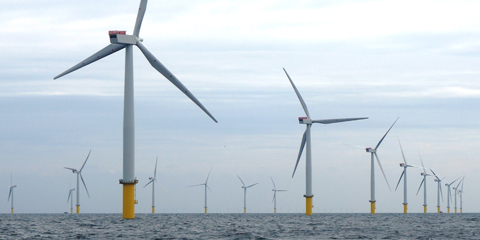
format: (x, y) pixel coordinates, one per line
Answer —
(241, 226)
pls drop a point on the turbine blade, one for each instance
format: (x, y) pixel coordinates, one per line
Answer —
(274, 187)
(85, 160)
(281, 190)
(209, 188)
(422, 162)
(400, 179)
(380, 165)
(401, 149)
(69, 194)
(252, 185)
(208, 175)
(81, 177)
(302, 145)
(420, 185)
(434, 174)
(441, 192)
(72, 169)
(149, 182)
(241, 180)
(462, 184)
(201, 184)
(354, 146)
(112, 48)
(381, 140)
(337, 120)
(298, 95)
(9, 194)
(274, 194)
(155, 173)
(141, 13)
(170, 77)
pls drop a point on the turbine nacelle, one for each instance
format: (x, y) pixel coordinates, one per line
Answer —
(370, 150)
(304, 120)
(402, 164)
(120, 37)
(150, 178)
(436, 180)
(422, 174)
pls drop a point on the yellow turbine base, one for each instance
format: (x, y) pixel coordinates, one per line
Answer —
(461, 211)
(274, 210)
(153, 209)
(71, 210)
(244, 210)
(455, 210)
(372, 207)
(424, 209)
(404, 208)
(205, 210)
(308, 205)
(128, 201)
(438, 209)
(78, 209)
(448, 210)
(12, 210)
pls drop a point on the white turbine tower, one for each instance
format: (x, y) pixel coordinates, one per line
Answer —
(70, 198)
(456, 193)
(307, 140)
(439, 189)
(152, 181)
(449, 194)
(206, 186)
(79, 176)
(245, 194)
(274, 200)
(424, 182)
(10, 193)
(373, 155)
(404, 165)
(119, 40)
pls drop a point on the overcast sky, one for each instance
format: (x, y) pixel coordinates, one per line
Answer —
(416, 60)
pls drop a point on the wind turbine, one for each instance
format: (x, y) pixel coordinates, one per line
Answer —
(79, 176)
(439, 189)
(10, 193)
(456, 192)
(449, 194)
(424, 182)
(373, 154)
(120, 40)
(206, 186)
(404, 175)
(152, 181)
(307, 140)
(245, 194)
(71, 199)
(274, 200)
(461, 196)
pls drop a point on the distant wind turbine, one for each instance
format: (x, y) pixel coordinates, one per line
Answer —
(449, 194)
(456, 193)
(307, 140)
(79, 176)
(206, 186)
(439, 189)
(404, 175)
(461, 195)
(152, 181)
(245, 194)
(70, 198)
(120, 40)
(10, 193)
(274, 200)
(424, 182)
(373, 154)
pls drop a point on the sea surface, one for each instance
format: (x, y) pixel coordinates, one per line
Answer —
(241, 226)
